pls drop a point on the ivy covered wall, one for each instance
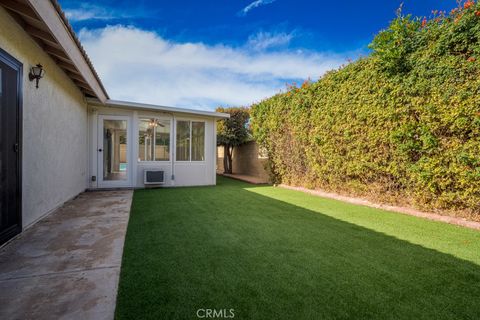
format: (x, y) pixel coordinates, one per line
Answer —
(401, 125)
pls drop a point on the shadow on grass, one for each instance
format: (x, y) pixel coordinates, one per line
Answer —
(227, 248)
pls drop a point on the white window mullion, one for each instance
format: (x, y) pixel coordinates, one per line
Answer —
(190, 153)
(145, 147)
(154, 147)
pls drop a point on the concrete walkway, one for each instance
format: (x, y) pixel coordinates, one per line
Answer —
(67, 265)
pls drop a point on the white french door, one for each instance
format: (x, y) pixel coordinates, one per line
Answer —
(113, 151)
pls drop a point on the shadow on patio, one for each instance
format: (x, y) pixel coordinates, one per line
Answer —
(67, 265)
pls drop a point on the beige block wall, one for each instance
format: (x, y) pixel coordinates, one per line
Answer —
(246, 161)
(54, 155)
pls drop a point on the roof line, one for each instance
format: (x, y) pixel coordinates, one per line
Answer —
(146, 106)
(62, 15)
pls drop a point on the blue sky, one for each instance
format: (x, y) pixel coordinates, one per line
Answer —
(201, 54)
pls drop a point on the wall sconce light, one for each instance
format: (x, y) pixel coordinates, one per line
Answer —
(36, 73)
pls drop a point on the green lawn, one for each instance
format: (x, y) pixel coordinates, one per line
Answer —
(271, 253)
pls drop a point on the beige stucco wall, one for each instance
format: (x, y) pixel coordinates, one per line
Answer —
(246, 161)
(54, 128)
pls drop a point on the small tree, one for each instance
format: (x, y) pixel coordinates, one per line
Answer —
(232, 132)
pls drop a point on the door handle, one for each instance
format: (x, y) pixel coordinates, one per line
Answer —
(100, 150)
(15, 147)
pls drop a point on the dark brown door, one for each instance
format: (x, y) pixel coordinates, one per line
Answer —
(10, 146)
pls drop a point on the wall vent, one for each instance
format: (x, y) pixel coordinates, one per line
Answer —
(154, 176)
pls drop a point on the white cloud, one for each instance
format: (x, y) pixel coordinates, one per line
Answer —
(89, 12)
(253, 5)
(139, 65)
(266, 40)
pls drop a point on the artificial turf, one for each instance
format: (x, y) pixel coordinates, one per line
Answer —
(272, 253)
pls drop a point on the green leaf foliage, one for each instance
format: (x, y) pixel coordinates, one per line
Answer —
(233, 131)
(402, 123)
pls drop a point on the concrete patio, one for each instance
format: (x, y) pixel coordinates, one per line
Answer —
(67, 265)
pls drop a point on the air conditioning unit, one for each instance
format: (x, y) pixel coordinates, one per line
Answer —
(153, 176)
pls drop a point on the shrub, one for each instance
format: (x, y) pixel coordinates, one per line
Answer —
(402, 123)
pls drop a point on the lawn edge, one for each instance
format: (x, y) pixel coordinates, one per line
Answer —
(397, 209)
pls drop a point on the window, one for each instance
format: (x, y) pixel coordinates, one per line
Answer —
(154, 140)
(183, 140)
(190, 140)
(198, 141)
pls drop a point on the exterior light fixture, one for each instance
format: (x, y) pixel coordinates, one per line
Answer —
(153, 123)
(36, 73)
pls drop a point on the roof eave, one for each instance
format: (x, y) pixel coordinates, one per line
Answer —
(46, 23)
(152, 107)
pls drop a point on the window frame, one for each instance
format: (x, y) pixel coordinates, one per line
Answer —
(170, 121)
(190, 141)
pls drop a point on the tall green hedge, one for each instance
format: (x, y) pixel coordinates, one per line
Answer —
(400, 124)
